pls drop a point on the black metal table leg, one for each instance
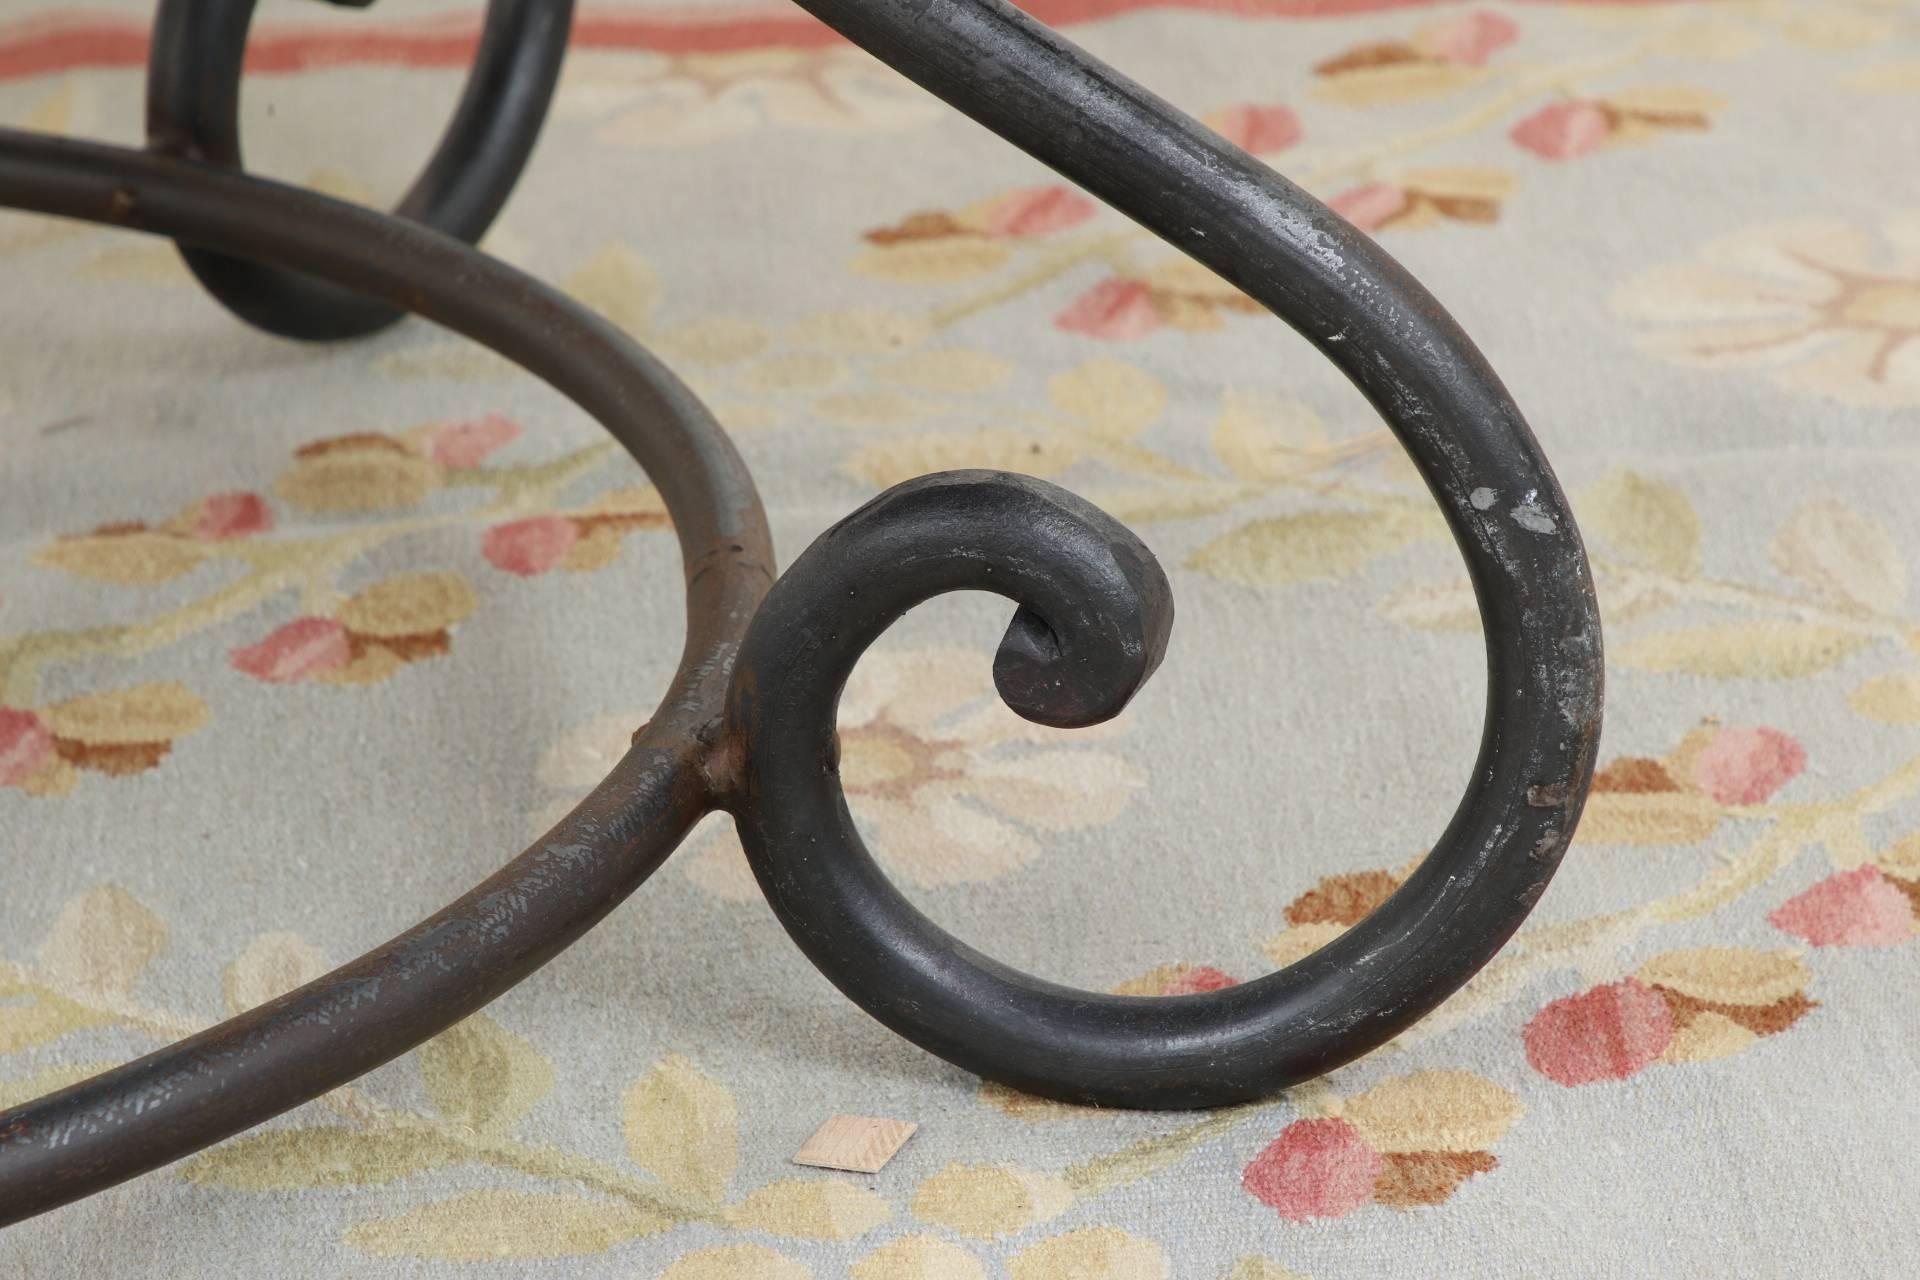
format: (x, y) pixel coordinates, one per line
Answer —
(193, 112)
(748, 722)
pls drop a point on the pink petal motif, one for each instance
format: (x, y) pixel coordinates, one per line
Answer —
(1369, 207)
(1563, 130)
(1607, 1034)
(1113, 309)
(1314, 1169)
(1256, 128)
(25, 745)
(1038, 211)
(1469, 38)
(232, 515)
(1745, 766)
(466, 444)
(1857, 908)
(530, 546)
(1192, 982)
(304, 648)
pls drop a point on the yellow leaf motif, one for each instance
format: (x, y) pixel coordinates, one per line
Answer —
(681, 1127)
(124, 559)
(482, 1075)
(272, 965)
(1841, 552)
(1438, 607)
(812, 1209)
(1889, 77)
(1395, 83)
(1262, 439)
(142, 713)
(300, 1159)
(1728, 975)
(737, 1262)
(1706, 1037)
(941, 261)
(1433, 1111)
(1302, 547)
(1091, 1253)
(1743, 650)
(1114, 400)
(620, 285)
(483, 1226)
(1261, 1269)
(918, 1258)
(103, 941)
(1890, 699)
(411, 604)
(30, 1019)
(1651, 523)
(873, 408)
(985, 1200)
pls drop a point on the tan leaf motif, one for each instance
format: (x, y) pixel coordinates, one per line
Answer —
(28, 1019)
(413, 604)
(1261, 1269)
(1891, 699)
(866, 331)
(941, 261)
(272, 965)
(873, 408)
(484, 1226)
(1706, 1037)
(364, 475)
(620, 285)
(1433, 1111)
(1434, 607)
(1091, 1253)
(736, 1262)
(1650, 522)
(300, 1159)
(103, 940)
(1113, 399)
(797, 371)
(481, 1075)
(135, 716)
(918, 1258)
(681, 1127)
(811, 1209)
(715, 340)
(124, 559)
(1263, 438)
(1888, 77)
(1302, 547)
(1842, 552)
(1395, 82)
(1728, 975)
(1771, 650)
(988, 1200)
(1293, 945)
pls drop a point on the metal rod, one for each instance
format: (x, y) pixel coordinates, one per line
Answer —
(748, 722)
(250, 1068)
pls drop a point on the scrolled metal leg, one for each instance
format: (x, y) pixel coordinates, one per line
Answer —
(1044, 549)
(193, 112)
(756, 736)
(171, 1103)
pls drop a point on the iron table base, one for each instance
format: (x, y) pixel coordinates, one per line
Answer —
(747, 723)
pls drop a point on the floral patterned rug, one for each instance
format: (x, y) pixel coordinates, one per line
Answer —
(296, 644)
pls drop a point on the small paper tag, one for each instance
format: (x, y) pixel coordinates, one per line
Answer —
(857, 1144)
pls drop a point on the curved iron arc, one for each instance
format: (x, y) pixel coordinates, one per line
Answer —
(210, 1086)
(757, 735)
(193, 112)
(1479, 459)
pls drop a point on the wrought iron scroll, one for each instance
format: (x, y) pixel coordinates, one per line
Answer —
(747, 722)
